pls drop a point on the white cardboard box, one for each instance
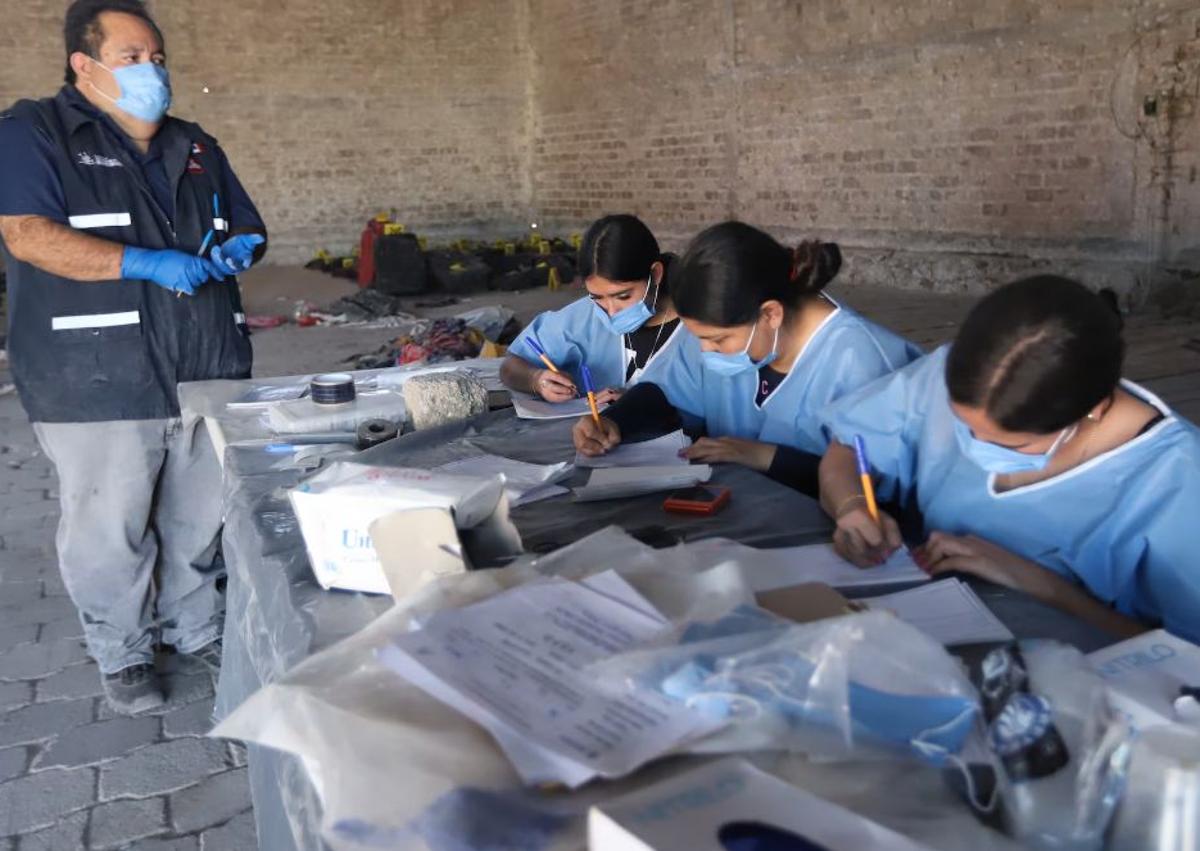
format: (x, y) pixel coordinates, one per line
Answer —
(697, 809)
(1144, 675)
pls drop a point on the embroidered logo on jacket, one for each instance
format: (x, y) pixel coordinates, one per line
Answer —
(95, 159)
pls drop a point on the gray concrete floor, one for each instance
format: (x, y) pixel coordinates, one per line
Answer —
(74, 776)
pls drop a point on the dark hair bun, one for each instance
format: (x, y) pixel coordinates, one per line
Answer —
(815, 264)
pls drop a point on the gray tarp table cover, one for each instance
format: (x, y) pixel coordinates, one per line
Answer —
(277, 615)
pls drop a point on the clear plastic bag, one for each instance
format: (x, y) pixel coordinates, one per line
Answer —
(1059, 751)
(860, 686)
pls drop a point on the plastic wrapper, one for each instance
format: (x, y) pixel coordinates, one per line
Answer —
(394, 768)
(858, 687)
(1059, 751)
(299, 416)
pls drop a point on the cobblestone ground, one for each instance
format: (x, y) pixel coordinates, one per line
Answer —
(72, 774)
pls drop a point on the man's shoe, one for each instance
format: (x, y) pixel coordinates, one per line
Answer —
(133, 689)
(210, 656)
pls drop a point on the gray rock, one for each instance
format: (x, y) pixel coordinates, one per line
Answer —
(71, 683)
(237, 834)
(98, 742)
(124, 821)
(43, 720)
(195, 719)
(12, 763)
(15, 695)
(66, 835)
(11, 636)
(162, 768)
(68, 627)
(446, 397)
(39, 611)
(33, 661)
(213, 801)
(18, 593)
(41, 800)
(183, 843)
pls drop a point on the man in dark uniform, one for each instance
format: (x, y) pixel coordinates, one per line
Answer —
(124, 229)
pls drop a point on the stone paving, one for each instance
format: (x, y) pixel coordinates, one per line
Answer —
(73, 775)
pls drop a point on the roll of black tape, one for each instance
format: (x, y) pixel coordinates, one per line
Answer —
(335, 388)
(374, 432)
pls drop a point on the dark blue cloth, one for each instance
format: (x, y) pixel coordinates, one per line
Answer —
(29, 185)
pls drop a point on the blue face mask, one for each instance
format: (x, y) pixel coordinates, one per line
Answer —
(145, 90)
(635, 316)
(1002, 460)
(736, 364)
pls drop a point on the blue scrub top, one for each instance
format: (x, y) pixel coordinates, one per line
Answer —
(579, 334)
(845, 353)
(1123, 523)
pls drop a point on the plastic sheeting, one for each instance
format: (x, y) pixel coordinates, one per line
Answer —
(277, 615)
(397, 769)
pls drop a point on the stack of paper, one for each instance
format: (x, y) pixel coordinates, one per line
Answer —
(523, 483)
(661, 452)
(617, 482)
(947, 610)
(532, 408)
(766, 570)
(515, 664)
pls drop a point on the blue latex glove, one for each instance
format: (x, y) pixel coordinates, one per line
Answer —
(236, 254)
(172, 270)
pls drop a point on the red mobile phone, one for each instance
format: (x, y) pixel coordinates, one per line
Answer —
(699, 500)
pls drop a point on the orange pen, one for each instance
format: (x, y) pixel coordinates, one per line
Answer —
(591, 393)
(864, 473)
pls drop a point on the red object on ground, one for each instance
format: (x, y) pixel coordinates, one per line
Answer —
(307, 321)
(366, 253)
(254, 321)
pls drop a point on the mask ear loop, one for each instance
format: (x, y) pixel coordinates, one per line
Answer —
(941, 753)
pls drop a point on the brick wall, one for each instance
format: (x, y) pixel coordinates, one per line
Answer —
(331, 112)
(946, 143)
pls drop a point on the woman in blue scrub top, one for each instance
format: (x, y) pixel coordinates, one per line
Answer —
(1032, 464)
(626, 322)
(765, 352)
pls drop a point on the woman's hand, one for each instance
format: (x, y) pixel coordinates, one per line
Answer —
(608, 395)
(943, 553)
(554, 386)
(592, 439)
(732, 450)
(863, 542)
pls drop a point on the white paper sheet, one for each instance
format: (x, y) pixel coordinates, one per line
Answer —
(523, 482)
(660, 452)
(767, 570)
(532, 408)
(618, 482)
(947, 610)
(514, 664)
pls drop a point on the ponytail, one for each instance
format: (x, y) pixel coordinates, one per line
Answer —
(814, 265)
(730, 270)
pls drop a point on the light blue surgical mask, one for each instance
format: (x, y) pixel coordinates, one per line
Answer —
(636, 315)
(1001, 459)
(739, 362)
(145, 90)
